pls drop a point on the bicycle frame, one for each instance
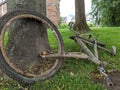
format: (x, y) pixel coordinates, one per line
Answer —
(88, 54)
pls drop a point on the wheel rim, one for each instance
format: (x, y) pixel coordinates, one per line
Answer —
(12, 65)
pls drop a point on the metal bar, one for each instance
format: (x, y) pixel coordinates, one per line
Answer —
(87, 51)
(108, 51)
(100, 47)
(107, 78)
(67, 55)
(92, 41)
(4, 2)
(89, 34)
(88, 40)
(95, 49)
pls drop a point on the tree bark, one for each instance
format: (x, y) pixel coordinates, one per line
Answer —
(80, 19)
(27, 38)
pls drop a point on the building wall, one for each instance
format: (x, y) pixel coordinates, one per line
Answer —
(53, 11)
(3, 8)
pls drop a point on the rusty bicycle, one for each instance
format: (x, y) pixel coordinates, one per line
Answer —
(26, 68)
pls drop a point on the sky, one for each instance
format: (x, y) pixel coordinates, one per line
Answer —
(68, 8)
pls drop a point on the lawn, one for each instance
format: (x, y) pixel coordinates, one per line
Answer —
(74, 74)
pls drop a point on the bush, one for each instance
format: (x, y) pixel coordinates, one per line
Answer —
(63, 26)
(90, 24)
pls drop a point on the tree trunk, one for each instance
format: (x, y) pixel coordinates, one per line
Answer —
(80, 19)
(27, 38)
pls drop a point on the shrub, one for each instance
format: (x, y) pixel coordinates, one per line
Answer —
(90, 24)
(63, 26)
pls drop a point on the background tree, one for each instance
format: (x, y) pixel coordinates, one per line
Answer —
(24, 35)
(80, 18)
(106, 12)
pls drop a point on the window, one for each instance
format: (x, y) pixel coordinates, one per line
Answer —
(4, 8)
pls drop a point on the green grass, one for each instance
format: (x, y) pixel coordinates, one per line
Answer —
(74, 74)
(5, 39)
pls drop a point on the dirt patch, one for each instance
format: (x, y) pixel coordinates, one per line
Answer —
(114, 75)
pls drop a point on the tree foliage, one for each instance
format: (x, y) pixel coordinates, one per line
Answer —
(106, 12)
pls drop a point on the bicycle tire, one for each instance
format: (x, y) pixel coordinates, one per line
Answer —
(6, 67)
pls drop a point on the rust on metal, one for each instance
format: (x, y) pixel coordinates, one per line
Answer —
(88, 52)
(78, 55)
(12, 65)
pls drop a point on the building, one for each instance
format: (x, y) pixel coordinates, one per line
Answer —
(53, 11)
(3, 9)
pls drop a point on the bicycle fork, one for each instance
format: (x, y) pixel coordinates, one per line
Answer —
(94, 58)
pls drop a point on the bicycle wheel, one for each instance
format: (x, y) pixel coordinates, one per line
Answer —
(17, 68)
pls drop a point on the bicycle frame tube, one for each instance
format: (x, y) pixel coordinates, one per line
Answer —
(92, 57)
